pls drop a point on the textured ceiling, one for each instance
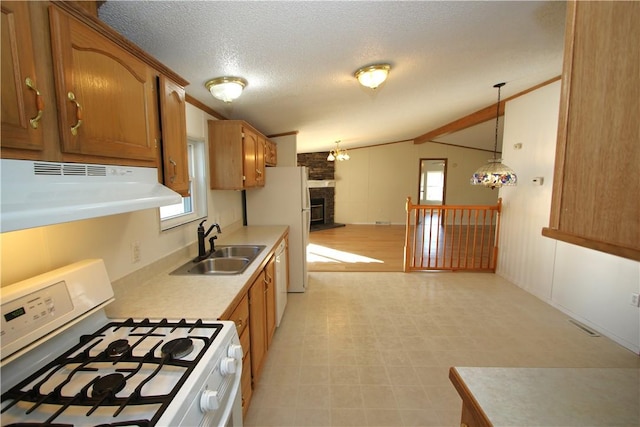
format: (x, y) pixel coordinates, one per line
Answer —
(299, 59)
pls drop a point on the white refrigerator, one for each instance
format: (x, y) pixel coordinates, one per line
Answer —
(284, 200)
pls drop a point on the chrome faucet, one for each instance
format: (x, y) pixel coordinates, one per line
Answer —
(202, 251)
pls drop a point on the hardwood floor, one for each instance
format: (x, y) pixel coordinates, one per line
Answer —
(381, 248)
(357, 248)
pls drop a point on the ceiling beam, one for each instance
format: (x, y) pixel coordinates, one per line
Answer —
(480, 116)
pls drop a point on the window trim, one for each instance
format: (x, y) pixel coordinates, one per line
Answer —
(197, 184)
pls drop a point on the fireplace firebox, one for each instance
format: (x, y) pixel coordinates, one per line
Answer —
(317, 211)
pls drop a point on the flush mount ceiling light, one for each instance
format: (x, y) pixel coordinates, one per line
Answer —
(338, 154)
(226, 89)
(495, 173)
(373, 76)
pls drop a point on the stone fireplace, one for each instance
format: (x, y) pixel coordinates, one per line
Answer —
(321, 190)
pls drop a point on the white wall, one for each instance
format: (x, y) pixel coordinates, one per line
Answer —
(26, 253)
(374, 185)
(590, 286)
(287, 150)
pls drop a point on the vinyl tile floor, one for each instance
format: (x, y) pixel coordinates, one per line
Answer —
(374, 349)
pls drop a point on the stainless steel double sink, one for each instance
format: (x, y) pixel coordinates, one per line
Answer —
(231, 259)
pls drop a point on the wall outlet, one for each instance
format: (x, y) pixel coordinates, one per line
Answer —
(135, 252)
(635, 300)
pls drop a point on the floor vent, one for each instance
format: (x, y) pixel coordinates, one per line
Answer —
(383, 222)
(584, 328)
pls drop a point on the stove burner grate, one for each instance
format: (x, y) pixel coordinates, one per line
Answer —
(106, 387)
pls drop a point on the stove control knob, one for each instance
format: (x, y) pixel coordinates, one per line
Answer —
(235, 351)
(228, 366)
(209, 401)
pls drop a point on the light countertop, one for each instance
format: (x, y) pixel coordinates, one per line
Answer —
(192, 297)
(552, 396)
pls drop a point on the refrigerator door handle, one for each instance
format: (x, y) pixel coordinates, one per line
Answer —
(307, 202)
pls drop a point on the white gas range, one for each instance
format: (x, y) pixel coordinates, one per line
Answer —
(64, 363)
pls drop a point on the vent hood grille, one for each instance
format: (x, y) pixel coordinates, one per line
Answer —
(35, 194)
(68, 169)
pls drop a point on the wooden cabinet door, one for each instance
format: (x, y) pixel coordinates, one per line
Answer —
(22, 103)
(598, 127)
(257, 326)
(271, 154)
(226, 155)
(249, 149)
(270, 299)
(173, 122)
(261, 149)
(106, 97)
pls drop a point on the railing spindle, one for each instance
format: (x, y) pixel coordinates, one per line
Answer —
(452, 237)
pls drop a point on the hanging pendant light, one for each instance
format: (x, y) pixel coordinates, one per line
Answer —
(495, 173)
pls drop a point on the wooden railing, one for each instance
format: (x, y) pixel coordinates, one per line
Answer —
(442, 237)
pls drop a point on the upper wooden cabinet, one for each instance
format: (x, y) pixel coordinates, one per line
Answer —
(253, 158)
(271, 153)
(22, 101)
(236, 155)
(106, 96)
(595, 199)
(92, 96)
(175, 164)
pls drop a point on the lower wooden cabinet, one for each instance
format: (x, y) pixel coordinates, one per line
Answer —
(255, 319)
(247, 389)
(257, 316)
(240, 317)
(270, 299)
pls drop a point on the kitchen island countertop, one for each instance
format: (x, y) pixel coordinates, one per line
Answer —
(548, 396)
(192, 297)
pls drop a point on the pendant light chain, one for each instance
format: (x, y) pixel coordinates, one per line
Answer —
(495, 174)
(495, 144)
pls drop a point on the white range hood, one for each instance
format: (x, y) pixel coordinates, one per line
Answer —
(38, 193)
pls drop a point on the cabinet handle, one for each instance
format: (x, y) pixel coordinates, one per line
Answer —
(175, 169)
(39, 103)
(74, 128)
(239, 323)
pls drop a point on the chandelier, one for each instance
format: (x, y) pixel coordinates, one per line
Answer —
(338, 154)
(495, 173)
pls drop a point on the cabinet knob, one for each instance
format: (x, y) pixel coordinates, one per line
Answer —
(34, 122)
(74, 128)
